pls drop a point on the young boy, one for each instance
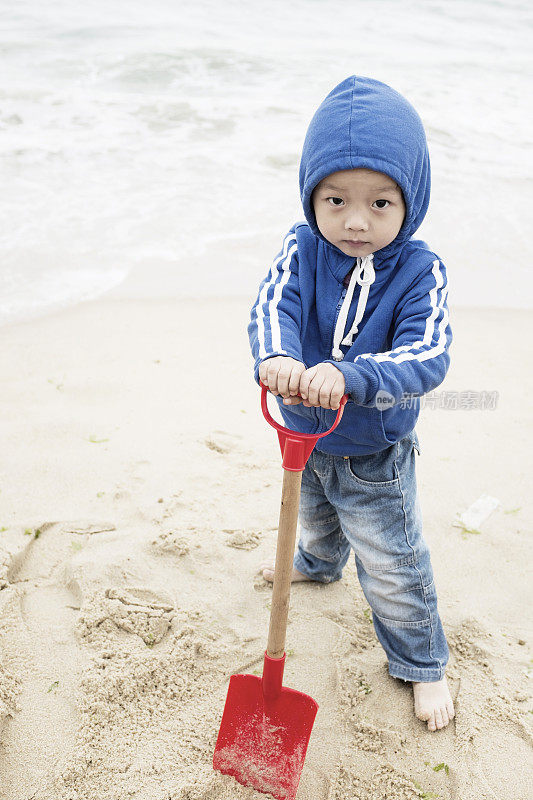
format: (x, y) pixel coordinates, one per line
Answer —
(352, 304)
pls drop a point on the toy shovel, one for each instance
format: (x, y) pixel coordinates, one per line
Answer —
(265, 726)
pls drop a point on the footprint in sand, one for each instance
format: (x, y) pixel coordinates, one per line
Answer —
(491, 687)
(356, 624)
(242, 540)
(170, 543)
(222, 442)
(131, 609)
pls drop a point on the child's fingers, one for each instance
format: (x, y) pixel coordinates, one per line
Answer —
(288, 378)
(313, 394)
(332, 389)
(288, 366)
(294, 381)
(337, 393)
(283, 381)
(316, 386)
(324, 393)
(292, 401)
(330, 393)
(275, 369)
(305, 379)
(271, 375)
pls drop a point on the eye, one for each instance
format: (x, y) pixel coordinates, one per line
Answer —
(381, 201)
(335, 198)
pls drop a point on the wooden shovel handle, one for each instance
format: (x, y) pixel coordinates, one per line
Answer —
(288, 520)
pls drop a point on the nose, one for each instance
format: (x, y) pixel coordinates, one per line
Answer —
(356, 221)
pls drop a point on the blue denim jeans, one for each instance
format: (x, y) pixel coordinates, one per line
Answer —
(369, 503)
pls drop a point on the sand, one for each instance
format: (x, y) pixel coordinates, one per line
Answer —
(140, 490)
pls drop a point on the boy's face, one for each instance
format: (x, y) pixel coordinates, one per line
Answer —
(358, 210)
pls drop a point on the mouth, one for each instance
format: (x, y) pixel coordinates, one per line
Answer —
(355, 242)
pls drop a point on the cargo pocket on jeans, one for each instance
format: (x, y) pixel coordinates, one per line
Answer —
(400, 598)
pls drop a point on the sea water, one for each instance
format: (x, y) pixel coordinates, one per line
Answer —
(151, 148)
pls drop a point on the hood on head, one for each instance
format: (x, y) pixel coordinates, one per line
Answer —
(364, 123)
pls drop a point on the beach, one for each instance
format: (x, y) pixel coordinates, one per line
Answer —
(150, 154)
(140, 490)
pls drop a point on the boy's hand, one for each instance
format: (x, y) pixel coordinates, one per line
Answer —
(322, 385)
(282, 376)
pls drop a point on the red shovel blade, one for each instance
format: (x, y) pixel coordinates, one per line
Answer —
(262, 741)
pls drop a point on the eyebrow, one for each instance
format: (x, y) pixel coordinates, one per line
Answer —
(378, 189)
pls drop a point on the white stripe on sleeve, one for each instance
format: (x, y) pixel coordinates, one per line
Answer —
(284, 275)
(407, 351)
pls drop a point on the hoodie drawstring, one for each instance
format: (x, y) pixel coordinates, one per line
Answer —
(363, 274)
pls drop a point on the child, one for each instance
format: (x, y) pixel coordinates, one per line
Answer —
(352, 304)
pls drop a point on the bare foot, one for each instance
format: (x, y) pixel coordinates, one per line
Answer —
(267, 568)
(433, 703)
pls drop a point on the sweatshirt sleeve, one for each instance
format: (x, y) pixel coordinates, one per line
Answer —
(419, 358)
(276, 316)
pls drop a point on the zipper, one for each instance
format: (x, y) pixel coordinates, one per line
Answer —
(337, 311)
(321, 412)
(339, 306)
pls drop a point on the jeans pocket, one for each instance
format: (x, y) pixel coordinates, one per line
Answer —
(321, 465)
(376, 470)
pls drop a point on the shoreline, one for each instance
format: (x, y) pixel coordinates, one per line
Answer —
(114, 295)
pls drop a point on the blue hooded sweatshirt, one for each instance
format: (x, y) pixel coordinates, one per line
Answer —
(388, 331)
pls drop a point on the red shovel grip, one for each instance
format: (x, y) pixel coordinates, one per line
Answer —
(296, 447)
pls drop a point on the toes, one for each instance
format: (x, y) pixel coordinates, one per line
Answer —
(422, 711)
(445, 717)
(438, 719)
(267, 569)
(431, 722)
(450, 709)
